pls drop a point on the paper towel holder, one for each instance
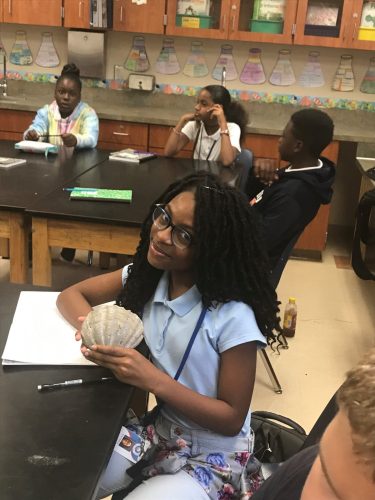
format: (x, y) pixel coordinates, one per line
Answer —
(141, 82)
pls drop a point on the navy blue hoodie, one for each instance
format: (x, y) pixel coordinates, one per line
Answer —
(290, 203)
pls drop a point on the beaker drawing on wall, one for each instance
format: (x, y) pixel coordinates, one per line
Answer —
(225, 65)
(253, 72)
(21, 53)
(312, 74)
(283, 73)
(137, 59)
(167, 62)
(47, 56)
(196, 65)
(343, 80)
(368, 82)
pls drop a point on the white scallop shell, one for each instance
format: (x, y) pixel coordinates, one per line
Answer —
(112, 325)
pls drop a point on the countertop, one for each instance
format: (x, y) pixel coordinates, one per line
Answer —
(161, 109)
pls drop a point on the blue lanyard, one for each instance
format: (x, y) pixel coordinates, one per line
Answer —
(191, 342)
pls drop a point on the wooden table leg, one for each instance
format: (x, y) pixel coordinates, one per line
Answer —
(42, 266)
(18, 247)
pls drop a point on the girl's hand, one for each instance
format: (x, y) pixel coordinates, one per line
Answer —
(217, 112)
(189, 117)
(69, 140)
(78, 335)
(127, 365)
(32, 135)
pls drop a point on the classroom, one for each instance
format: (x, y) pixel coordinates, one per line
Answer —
(126, 127)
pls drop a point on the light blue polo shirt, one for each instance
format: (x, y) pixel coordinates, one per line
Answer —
(168, 326)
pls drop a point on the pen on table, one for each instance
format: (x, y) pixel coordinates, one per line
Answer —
(72, 383)
(50, 135)
(80, 189)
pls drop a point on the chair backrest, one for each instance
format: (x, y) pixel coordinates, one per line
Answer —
(245, 159)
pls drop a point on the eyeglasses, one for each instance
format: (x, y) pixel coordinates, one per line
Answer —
(180, 237)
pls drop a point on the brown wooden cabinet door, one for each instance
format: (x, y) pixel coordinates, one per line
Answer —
(14, 123)
(362, 34)
(145, 18)
(215, 25)
(332, 35)
(40, 12)
(77, 13)
(158, 137)
(243, 26)
(115, 135)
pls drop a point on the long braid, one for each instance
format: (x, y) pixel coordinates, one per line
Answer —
(230, 261)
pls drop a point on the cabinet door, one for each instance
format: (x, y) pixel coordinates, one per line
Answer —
(213, 23)
(323, 23)
(115, 135)
(40, 12)
(158, 137)
(77, 13)
(145, 18)
(14, 123)
(248, 22)
(362, 33)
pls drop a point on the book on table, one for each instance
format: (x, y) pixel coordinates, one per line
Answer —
(10, 162)
(131, 155)
(93, 194)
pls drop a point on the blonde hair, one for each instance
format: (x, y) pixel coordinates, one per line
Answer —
(357, 398)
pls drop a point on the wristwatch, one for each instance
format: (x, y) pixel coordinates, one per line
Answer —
(224, 132)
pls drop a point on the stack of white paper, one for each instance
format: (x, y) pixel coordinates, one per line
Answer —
(39, 335)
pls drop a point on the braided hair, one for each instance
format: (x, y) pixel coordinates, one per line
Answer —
(229, 258)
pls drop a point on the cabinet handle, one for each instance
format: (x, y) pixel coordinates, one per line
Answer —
(120, 133)
(121, 12)
(233, 22)
(224, 22)
(354, 32)
(10, 7)
(80, 9)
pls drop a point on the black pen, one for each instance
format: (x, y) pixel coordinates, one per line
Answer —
(70, 383)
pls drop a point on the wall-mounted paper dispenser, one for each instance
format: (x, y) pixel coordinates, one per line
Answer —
(87, 50)
(141, 82)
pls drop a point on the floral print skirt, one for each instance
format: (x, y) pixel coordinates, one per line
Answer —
(223, 465)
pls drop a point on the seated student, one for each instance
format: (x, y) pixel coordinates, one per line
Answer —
(216, 127)
(67, 120)
(184, 271)
(289, 198)
(342, 467)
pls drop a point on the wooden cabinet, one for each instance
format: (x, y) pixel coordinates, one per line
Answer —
(145, 18)
(335, 34)
(243, 26)
(361, 34)
(158, 138)
(76, 13)
(115, 135)
(39, 12)
(14, 123)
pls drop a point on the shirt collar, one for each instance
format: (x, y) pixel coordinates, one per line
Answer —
(180, 306)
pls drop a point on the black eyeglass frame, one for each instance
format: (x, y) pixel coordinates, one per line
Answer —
(161, 227)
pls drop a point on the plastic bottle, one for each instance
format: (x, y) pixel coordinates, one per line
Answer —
(290, 318)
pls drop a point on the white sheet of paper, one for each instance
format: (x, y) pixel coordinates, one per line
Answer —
(39, 335)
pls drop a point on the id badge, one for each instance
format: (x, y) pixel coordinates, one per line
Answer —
(131, 445)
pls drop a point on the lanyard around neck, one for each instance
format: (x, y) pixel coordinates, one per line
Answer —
(199, 137)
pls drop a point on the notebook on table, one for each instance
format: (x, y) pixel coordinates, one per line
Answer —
(131, 155)
(10, 162)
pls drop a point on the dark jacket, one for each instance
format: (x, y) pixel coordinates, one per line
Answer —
(289, 204)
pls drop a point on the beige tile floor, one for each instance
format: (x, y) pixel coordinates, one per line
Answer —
(335, 325)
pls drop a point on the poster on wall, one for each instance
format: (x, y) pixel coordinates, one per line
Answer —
(167, 62)
(47, 56)
(196, 65)
(343, 80)
(137, 60)
(283, 73)
(225, 67)
(253, 72)
(368, 82)
(21, 53)
(312, 74)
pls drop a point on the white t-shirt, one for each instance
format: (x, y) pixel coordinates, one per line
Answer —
(208, 146)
